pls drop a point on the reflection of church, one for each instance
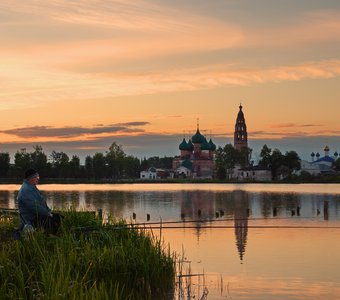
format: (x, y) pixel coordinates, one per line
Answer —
(203, 205)
(241, 221)
(196, 159)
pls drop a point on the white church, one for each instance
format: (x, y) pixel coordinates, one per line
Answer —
(319, 165)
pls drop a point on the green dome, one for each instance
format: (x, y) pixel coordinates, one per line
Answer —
(212, 145)
(198, 138)
(183, 145)
(205, 145)
(187, 164)
(190, 146)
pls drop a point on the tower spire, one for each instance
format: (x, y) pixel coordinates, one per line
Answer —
(240, 135)
(198, 124)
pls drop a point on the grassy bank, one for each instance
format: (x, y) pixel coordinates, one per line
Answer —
(106, 262)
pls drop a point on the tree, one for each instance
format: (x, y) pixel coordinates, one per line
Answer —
(292, 161)
(39, 160)
(336, 165)
(59, 163)
(99, 165)
(74, 167)
(89, 167)
(22, 161)
(227, 157)
(4, 164)
(221, 173)
(244, 156)
(144, 164)
(280, 165)
(131, 167)
(115, 160)
(159, 162)
(265, 161)
(276, 161)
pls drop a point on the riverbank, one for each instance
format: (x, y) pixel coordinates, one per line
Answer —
(293, 180)
(86, 260)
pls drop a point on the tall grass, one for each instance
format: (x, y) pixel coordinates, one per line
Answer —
(99, 261)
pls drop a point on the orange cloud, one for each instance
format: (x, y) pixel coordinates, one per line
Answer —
(44, 85)
(293, 125)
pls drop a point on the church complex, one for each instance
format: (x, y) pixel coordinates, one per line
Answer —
(197, 159)
(197, 155)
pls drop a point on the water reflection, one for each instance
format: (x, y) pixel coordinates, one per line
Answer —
(241, 221)
(193, 204)
(247, 262)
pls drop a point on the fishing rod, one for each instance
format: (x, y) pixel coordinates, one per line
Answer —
(127, 227)
(249, 226)
(221, 220)
(10, 210)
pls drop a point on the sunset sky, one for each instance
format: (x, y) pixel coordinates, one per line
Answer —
(77, 75)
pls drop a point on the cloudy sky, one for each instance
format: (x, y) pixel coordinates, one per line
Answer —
(77, 75)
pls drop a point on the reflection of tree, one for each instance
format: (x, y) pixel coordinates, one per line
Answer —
(283, 203)
(266, 199)
(241, 221)
(193, 201)
(112, 202)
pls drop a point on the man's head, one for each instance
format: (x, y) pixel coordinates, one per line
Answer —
(32, 176)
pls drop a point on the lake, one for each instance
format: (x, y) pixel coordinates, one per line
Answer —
(243, 241)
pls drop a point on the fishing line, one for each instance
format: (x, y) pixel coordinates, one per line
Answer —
(224, 219)
(247, 226)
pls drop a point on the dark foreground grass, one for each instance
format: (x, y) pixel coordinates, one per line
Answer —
(100, 262)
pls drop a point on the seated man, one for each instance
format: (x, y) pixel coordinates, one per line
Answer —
(33, 208)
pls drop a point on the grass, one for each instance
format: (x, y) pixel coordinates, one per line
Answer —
(106, 262)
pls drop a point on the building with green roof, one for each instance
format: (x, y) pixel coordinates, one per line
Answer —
(197, 157)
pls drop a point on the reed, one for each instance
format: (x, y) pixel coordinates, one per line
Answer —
(101, 263)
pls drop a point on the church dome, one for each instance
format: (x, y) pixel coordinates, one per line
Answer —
(198, 138)
(312, 154)
(205, 145)
(190, 146)
(326, 148)
(187, 164)
(212, 145)
(183, 145)
(336, 154)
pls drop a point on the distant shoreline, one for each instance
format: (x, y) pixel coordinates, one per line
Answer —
(335, 179)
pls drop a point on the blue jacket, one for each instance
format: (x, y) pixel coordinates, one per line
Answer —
(31, 203)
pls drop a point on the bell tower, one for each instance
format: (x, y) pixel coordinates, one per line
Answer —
(240, 135)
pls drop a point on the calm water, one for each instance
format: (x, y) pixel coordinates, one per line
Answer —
(254, 242)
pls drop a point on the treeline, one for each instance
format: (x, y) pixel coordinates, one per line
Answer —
(281, 165)
(113, 164)
(228, 157)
